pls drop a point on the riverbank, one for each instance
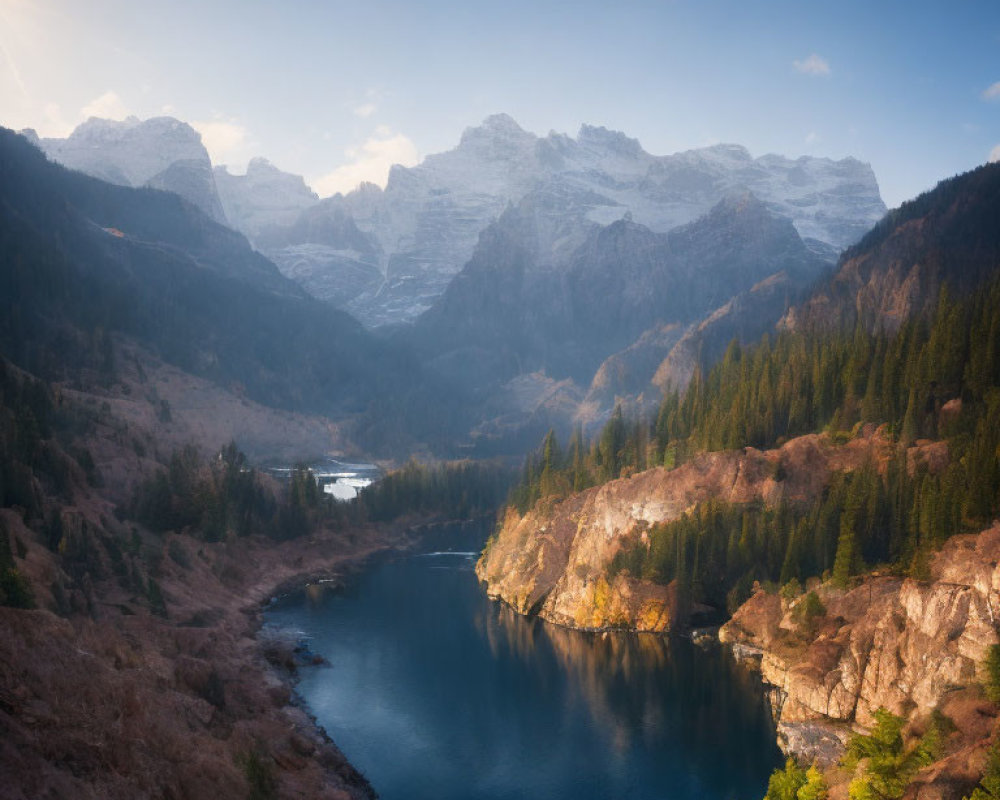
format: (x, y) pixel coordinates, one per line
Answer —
(124, 703)
(476, 702)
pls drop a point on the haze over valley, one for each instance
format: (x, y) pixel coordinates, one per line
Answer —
(359, 438)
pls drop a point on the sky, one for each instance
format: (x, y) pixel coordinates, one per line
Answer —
(337, 91)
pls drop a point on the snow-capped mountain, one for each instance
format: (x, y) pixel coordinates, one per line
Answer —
(387, 255)
(265, 197)
(162, 152)
(424, 226)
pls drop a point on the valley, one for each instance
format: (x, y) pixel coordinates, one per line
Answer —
(671, 449)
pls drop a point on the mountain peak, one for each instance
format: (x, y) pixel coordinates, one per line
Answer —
(502, 123)
(615, 141)
(368, 189)
(495, 128)
(261, 165)
(739, 203)
(98, 127)
(729, 151)
(162, 152)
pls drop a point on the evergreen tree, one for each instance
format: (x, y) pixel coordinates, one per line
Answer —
(815, 787)
(611, 448)
(785, 784)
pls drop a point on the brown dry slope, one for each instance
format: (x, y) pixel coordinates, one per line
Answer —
(119, 702)
(139, 673)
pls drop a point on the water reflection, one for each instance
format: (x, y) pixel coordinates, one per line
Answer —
(662, 691)
(436, 692)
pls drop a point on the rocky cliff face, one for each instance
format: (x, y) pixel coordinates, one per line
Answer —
(907, 645)
(554, 561)
(263, 198)
(623, 292)
(162, 152)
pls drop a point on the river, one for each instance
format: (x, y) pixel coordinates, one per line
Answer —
(434, 691)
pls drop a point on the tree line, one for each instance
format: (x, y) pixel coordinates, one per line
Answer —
(226, 497)
(936, 377)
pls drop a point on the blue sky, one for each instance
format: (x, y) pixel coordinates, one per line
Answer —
(337, 90)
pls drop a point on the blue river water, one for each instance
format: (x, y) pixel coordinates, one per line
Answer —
(434, 691)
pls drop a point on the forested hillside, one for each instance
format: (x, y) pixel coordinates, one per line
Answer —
(86, 261)
(934, 376)
(815, 486)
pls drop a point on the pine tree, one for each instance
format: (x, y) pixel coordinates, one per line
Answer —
(846, 561)
(910, 429)
(785, 784)
(815, 787)
(611, 447)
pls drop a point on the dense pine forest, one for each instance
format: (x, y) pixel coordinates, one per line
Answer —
(936, 378)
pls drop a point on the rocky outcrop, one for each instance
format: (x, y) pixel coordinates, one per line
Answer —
(906, 645)
(622, 292)
(745, 317)
(262, 198)
(554, 561)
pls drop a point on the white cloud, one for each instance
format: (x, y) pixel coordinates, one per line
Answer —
(108, 106)
(55, 124)
(995, 154)
(366, 110)
(369, 162)
(812, 137)
(226, 140)
(992, 92)
(813, 65)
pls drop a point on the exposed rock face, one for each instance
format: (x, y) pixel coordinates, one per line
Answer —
(263, 198)
(330, 236)
(554, 561)
(162, 152)
(425, 225)
(745, 317)
(619, 289)
(900, 644)
(665, 356)
(627, 372)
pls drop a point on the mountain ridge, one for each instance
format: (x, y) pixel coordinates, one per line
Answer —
(423, 227)
(161, 152)
(88, 260)
(600, 177)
